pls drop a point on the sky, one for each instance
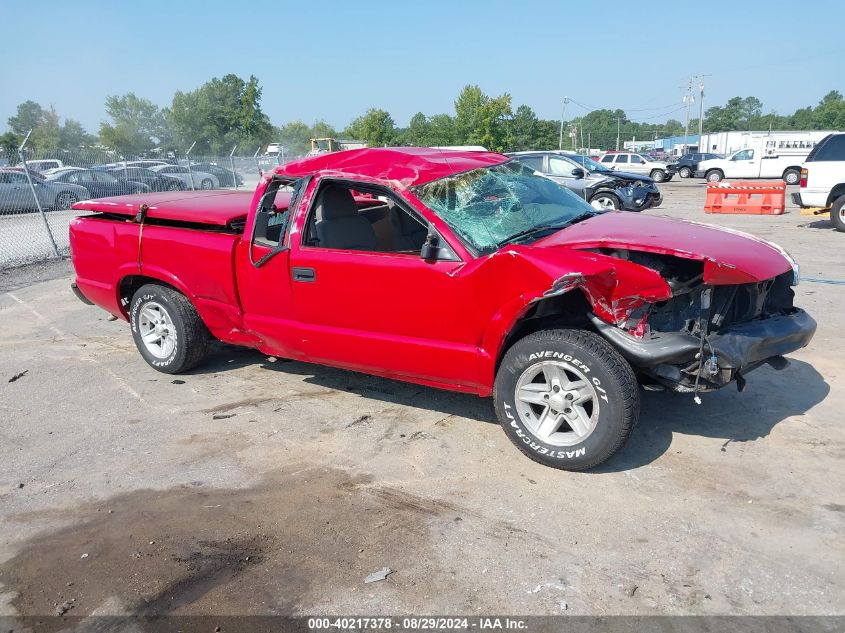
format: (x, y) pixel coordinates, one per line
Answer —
(333, 60)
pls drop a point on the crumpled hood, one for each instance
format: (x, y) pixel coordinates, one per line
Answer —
(625, 175)
(730, 257)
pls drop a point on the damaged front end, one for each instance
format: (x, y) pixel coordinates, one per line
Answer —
(705, 336)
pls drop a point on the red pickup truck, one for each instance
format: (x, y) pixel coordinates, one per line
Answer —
(461, 270)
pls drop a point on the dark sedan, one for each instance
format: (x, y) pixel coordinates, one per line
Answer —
(156, 182)
(227, 177)
(98, 183)
(686, 165)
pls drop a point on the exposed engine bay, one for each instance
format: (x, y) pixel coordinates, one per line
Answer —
(706, 336)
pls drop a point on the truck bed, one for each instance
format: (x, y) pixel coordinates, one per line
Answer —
(217, 208)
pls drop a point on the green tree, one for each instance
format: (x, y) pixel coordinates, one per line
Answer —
(480, 119)
(830, 113)
(295, 137)
(376, 128)
(137, 124)
(321, 129)
(47, 134)
(73, 136)
(218, 115)
(9, 143)
(28, 116)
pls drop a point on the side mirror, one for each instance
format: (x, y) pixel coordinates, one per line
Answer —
(430, 250)
(578, 172)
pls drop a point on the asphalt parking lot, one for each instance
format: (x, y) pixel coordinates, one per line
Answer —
(259, 486)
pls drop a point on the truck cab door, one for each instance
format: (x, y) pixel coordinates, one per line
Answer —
(744, 164)
(262, 265)
(367, 300)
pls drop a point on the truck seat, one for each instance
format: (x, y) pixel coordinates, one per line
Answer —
(408, 234)
(338, 223)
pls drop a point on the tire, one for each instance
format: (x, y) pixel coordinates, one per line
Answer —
(714, 175)
(65, 199)
(206, 184)
(609, 398)
(605, 202)
(658, 175)
(185, 339)
(685, 172)
(837, 213)
(792, 176)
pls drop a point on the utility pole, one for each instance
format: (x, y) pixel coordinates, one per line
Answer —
(688, 101)
(562, 113)
(618, 127)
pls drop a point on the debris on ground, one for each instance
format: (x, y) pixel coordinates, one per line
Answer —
(363, 420)
(563, 606)
(177, 382)
(630, 590)
(20, 485)
(223, 416)
(381, 574)
(421, 435)
(725, 446)
(111, 317)
(560, 586)
(85, 555)
(64, 607)
(19, 376)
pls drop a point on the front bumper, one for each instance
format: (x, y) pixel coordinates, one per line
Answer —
(740, 347)
(639, 198)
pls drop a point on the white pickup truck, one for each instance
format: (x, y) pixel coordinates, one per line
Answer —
(755, 162)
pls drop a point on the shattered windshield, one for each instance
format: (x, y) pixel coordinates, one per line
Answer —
(493, 206)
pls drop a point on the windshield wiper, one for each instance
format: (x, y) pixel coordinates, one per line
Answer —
(580, 217)
(530, 232)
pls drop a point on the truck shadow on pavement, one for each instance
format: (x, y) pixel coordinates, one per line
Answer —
(769, 398)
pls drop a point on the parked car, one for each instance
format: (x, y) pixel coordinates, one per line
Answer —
(226, 177)
(602, 188)
(687, 165)
(43, 164)
(637, 164)
(466, 271)
(155, 181)
(823, 179)
(192, 179)
(16, 194)
(98, 183)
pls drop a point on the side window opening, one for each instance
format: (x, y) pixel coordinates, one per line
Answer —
(362, 218)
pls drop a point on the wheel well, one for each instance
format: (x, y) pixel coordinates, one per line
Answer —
(712, 169)
(837, 191)
(566, 310)
(129, 285)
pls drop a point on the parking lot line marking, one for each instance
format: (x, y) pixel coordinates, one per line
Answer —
(816, 280)
(122, 384)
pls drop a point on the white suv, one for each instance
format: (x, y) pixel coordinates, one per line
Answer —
(637, 164)
(823, 179)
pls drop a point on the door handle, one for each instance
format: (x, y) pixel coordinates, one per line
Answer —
(304, 274)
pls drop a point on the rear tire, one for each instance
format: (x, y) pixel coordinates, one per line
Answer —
(566, 398)
(658, 175)
(685, 172)
(837, 213)
(792, 176)
(167, 329)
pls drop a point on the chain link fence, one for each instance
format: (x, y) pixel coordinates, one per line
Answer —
(37, 190)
